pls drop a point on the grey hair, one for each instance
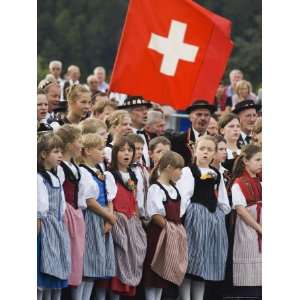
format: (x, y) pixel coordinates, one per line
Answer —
(55, 63)
(154, 116)
(99, 68)
(90, 78)
(235, 71)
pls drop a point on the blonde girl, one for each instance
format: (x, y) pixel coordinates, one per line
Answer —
(99, 258)
(203, 190)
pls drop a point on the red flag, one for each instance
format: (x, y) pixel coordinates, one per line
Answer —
(171, 52)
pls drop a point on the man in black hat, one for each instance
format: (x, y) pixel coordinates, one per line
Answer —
(199, 114)
(247, 112)
(138, 110)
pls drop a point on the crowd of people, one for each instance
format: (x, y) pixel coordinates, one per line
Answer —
(129, 209)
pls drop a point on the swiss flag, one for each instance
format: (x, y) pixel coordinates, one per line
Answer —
(171, 52)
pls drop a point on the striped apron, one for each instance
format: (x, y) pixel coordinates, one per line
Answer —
(130, 243)
(247, 257)
(55, 244)
(99, 257)
(207, 242)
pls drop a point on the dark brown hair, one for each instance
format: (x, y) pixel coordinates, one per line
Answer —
(224, 120)
(158, 140)
(135, 138)
(248, 152)
(121, 142)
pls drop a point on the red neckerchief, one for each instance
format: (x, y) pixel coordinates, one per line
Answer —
(251, 188)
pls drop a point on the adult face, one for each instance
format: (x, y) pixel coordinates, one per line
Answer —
(212, 128)
(100, 74)
(200, 119)
(74, 74)
(158, 127)
(55, 70)
(139, 116)
(93, 84)
(53, 97)
(42, 107)
(235, 78)
(248, 118)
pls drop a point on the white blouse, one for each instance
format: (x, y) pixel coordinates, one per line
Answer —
(238, 197)
(140, 189)
(186, 185)
(155, 198)
(93, 189)
(43, 197)
(84, 191)
(230, 153)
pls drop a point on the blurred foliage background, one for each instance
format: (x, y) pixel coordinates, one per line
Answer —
(87, 32)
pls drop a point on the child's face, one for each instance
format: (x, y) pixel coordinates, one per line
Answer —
(82, 106)
(52, 159)
(42, 107)
(103, 134)
(158, 152)
(254, 164)
(205, 152)
(125, 127)
(138, 151)
(96, 154)
(232, 130)
(75, 148)
(124, 156)
(221, 153)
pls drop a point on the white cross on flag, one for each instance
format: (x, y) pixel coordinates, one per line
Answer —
(171, 52)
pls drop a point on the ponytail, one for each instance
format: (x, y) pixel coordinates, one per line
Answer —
(154, 174)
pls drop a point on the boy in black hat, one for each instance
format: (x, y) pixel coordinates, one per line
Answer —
(199, 114)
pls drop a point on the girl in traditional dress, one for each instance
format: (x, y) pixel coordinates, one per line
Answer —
(53, 245)
(128, 234)
(247, 201)
(76, 189)
(163, 206)
(99, 257)
(203, 190)
(230, 128)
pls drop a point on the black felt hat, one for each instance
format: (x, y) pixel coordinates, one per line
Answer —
(245, 104)
(201, 104)
(134, 101)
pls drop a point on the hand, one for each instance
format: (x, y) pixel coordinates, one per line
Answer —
(111, 218)
(107, 227)
(259, 230)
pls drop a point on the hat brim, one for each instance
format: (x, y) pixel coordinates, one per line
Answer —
(191, 108)
(257, 107)
(135, 105)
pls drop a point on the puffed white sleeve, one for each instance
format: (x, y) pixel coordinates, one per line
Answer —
(87, 187)
(223, 201)
(61, 175)
(155, 199)
(107, 153)
(185, 186)
(238, 197)
(42, 198)
(111, 187)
